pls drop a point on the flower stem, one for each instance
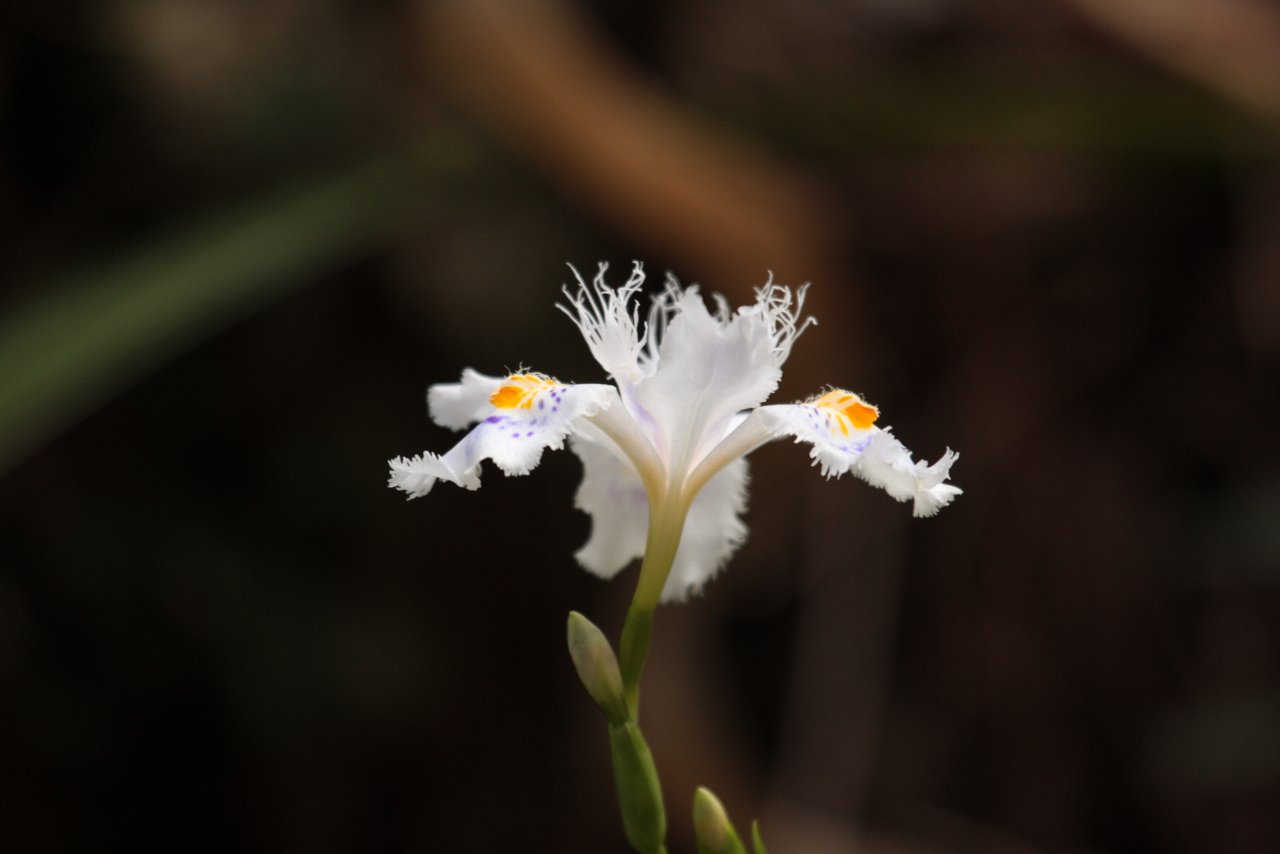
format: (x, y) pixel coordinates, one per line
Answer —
(666, 523)
(632, 651)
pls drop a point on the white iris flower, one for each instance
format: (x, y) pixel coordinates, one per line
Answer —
(663, 446)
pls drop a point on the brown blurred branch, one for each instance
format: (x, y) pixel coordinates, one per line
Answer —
(1233, 48)
(543, 79)
(546, 81)
(1229, 46)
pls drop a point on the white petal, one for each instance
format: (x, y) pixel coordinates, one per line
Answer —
(781, 313)
(458, 405)
(416, 475)
(538, 414)
(708, 368)
(886, 463)
(612, 494)
(836, 441)
(932, 498)
(609, 322)
(713, 530)
(838, 425)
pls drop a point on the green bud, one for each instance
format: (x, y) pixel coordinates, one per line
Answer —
(639, 793)
(597, 667)
(757, 841)
(711, 823)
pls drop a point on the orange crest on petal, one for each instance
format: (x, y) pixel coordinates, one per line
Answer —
(519, 391)
(850, 411)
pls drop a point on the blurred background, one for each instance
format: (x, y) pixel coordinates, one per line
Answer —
(241, 238)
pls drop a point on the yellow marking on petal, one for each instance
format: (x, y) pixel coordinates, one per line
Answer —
(849, 410)
(519, 391)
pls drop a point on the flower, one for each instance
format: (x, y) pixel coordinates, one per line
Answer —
(663, 446)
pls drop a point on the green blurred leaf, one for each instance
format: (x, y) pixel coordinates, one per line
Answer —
(87, 338)
(1090, 108)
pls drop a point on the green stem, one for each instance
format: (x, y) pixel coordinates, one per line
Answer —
(666, 523)
(639, 792)
(632, 651)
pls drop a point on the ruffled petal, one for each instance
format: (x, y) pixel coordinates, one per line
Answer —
(612, 494)
(609, 322)
(708, 368)
(713, 530)
(886, 463)
(838, 425)
(416, 475)
(782, 312)
(461, 404)
(528, 413)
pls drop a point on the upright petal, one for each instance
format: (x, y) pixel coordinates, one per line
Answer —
(708, 368)
(527, 414)
(609, 322)
(782, 313)
(713, 530)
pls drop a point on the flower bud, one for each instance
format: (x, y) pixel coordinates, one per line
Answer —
(597, 667)
(711, 823)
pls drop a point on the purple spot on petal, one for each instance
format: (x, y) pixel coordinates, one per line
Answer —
(494, 419)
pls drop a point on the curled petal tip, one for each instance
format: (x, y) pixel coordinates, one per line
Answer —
(928, 502)
(412, 476)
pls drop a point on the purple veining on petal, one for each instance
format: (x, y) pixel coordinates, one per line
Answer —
(494, 419)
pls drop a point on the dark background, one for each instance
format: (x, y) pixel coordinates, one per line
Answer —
(240, 239)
